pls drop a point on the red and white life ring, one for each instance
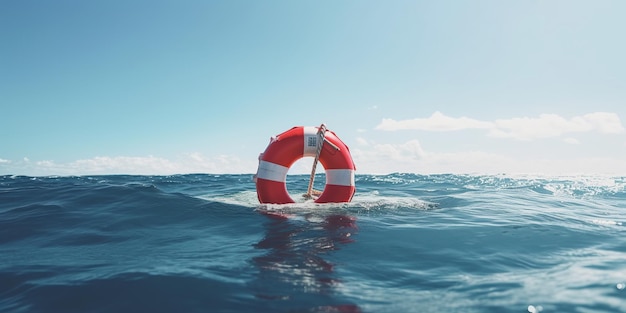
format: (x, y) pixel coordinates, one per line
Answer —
(294, 144)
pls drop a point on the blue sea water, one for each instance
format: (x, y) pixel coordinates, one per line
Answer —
(406, 243)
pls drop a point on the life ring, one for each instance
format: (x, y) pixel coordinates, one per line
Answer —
(294, 144)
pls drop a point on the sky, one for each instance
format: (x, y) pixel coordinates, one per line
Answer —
(426, 87)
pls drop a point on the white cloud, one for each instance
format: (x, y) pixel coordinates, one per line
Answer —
(523, 128)
(604, 122)
(387, 158)
(436, 122)
(371, 158)
(572, 141)
(4, 161)
(123, 164)
(150, 165)
(552, 125)
(362, 141)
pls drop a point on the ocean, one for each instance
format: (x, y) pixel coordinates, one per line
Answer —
(406, 243)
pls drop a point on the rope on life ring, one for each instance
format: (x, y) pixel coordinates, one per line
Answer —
(298, 142)
(321, 134)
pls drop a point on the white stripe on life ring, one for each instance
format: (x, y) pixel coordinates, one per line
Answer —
(272, 171)
(340, 177)
(310, 141)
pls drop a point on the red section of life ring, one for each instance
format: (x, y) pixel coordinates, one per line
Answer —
(287, 148)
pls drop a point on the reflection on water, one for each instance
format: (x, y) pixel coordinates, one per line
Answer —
(295, 272)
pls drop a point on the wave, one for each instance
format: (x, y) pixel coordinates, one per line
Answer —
(361, 201)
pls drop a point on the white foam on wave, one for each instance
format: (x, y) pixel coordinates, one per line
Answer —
(604, 222)
(559, 185)
(373, 200)
(361, 201)
(242, 198)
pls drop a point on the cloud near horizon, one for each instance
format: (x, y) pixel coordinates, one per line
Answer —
(370, 158)
(409, 157)
(150, 165)
(524, 128)
(436, 122)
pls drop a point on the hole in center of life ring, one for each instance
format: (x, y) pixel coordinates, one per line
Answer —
(298, 178)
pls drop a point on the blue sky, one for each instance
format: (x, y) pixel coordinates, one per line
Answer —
(163, 87)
